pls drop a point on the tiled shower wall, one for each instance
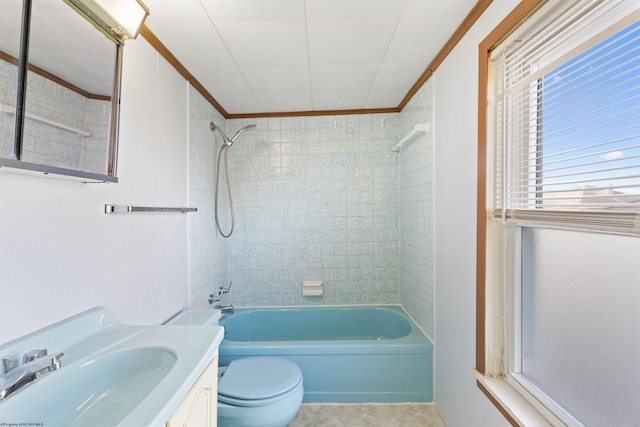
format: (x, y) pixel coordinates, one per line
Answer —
(208, 251)
(416, 211)
(315, 198)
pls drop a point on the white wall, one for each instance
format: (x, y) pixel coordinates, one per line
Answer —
(60, 254)
(455, 126)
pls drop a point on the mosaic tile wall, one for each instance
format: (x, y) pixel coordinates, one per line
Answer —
(51, 145)
(208, 257)
(315, 198)
(416, 212)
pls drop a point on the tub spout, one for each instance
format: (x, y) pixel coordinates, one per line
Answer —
(225, 308)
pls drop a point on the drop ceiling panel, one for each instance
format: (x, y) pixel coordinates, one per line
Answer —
(267, 43)
(254, 10)
(283, 102)
(353, 9)
(196, 45)
(339, 101)
(171, 12)
(258, 56)
(266, 81)
(419, 38)
(342, 78)
(230, 89)
(438, 7)
(392, 83)
(343, 42)
(285, 86)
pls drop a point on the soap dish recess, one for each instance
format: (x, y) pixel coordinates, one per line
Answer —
(312, 288)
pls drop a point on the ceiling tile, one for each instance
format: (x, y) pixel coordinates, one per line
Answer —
(165, 12)
(392, 83)
(338, 101)
(267, 44)
(254, 10)
(420, 39)
(349, 41)
(231, 90)
(195, 46)
(353, 9)
(258, 56)
(439, 8)
(288, 86)
(285, 103)
(271, 80)
(342, 78)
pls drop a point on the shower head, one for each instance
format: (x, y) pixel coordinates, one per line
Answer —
(225, 140)
(247, 127)
(228, 142)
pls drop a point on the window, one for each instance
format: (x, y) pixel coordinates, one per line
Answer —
(562, 212)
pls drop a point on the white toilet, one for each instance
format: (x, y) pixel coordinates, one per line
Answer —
(256, 391)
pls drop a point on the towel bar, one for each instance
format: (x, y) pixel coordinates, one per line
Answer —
(111, 209)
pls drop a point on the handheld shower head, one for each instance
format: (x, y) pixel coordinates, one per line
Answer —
(247, 127)
(228, 142)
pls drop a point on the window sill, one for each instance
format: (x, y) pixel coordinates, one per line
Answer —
(509, 402)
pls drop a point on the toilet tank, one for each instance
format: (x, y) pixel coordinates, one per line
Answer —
(196, 317)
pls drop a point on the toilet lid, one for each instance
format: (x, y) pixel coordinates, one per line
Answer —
(257, 378)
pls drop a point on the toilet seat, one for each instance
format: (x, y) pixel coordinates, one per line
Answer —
(258, 381)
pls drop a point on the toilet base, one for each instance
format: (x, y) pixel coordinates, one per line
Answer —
(277, 414)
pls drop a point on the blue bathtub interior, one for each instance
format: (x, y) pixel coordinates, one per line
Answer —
(346, 354)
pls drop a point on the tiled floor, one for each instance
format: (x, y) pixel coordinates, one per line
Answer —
(368, 415)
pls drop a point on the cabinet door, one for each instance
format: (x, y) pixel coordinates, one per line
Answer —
(200, 405)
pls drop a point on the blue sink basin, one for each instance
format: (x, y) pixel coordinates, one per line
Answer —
(112, 374)
(99, 392)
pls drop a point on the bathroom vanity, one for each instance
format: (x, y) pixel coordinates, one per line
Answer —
(199, 406)
(111, 374)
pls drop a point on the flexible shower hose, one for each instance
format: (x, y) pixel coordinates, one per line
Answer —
(226, 172)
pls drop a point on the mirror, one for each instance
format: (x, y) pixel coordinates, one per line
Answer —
(10, 18)
(71, 96)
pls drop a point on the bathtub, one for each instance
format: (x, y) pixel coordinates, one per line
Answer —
(347, 354)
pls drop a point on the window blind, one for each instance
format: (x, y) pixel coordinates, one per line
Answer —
(566, 116)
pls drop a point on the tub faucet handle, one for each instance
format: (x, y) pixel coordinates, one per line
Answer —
(225, 290)
(218, 295)
(32, 355)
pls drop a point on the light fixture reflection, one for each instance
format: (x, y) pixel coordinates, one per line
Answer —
(120, 18)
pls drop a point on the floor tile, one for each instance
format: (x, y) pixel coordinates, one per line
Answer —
(368, 415)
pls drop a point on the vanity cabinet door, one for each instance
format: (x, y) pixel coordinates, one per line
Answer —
(199, 407)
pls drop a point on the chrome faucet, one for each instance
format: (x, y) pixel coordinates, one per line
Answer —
(218, 296)
(36, 364)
